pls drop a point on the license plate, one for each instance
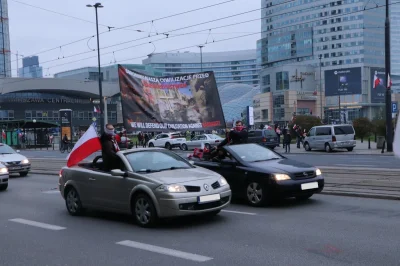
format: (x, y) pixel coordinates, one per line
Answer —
(309, 185)
(209, 198)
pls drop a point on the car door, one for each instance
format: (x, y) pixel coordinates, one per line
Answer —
(311, 138)
(191, 144)
(235, 174)
(322, 136)
(161, 140)
(110, 192)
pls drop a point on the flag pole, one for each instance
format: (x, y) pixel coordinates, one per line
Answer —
(389, 126)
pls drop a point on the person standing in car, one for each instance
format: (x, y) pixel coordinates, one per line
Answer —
(109, 149)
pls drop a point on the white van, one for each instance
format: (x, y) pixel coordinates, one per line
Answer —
(330, 137)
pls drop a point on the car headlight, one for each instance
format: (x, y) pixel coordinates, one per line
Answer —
(318, 172)
(3, 170)
(281, 177)
(222, 182)
(26, 161)
(172, 188)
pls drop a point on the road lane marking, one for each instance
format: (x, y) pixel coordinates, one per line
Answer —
(354, 165)
(38, 224)
(238, 212)
(164, 251)
(51, 192)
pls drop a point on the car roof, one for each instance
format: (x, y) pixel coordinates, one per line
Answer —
(142, 149)
(337, 125)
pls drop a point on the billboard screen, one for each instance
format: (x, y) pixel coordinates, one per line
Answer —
(180, 102)
(66, 123)
(378, 82)
(344, 81)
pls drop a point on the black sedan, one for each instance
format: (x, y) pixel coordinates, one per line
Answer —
(260, 175)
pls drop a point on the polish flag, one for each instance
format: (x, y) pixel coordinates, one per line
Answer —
(3, 134)
(95, 110)
(88, 144)
(389, 82)
(377, 80)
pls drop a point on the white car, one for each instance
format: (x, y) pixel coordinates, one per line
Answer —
(4, 176)
(208, 140)
(15, 162)
(167, 140)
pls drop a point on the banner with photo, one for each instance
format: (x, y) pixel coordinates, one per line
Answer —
(378, 85)
(173, 103)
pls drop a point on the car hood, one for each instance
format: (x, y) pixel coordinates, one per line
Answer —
(282, 166)
(183, 175)
(14, 157)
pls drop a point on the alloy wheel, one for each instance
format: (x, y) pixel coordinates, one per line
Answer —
(143, 211)
(254, 193)
(73, 201)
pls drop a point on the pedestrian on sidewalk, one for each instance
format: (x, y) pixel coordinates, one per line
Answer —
(286, 140)
(278, 133)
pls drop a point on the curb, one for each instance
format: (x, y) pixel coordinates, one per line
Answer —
(336, 153)
(360, 195)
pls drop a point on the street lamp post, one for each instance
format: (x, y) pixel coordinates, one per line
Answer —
(201, 57)
(389, 128)
(320, 86)
(96, 6)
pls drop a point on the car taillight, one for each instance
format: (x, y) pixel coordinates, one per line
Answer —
(333, 138)
(60, 174)
(264, 140)
(172, 137)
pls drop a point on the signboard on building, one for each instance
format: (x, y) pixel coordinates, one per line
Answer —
(378, 88)
(344, 81)
(66, 123)
(250, 115)
(171, 103)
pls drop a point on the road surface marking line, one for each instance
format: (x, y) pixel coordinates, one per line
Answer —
(357, 165)
(51, 192)
(238, 212)
(37, 224)
(165, 251)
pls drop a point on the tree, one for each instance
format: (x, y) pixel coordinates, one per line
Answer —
(363, 127)
(306, 122)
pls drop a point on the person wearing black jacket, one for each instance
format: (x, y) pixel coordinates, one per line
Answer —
(238, 135)
(287, 138)
(109, 149)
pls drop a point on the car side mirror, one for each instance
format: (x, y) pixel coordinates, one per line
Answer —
(18, 151)
(118, 172)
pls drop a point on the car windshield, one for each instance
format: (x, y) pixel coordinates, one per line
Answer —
(270, 133)
(156, 161)
(254, 153)
(4, 149)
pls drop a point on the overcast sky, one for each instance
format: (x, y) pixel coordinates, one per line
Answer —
(33, 30)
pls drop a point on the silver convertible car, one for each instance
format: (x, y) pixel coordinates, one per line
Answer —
(150, 184)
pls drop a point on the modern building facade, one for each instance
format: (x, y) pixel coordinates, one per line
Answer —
(338, 44)
(30, 68)
(229, 67)
(5, 52)
(108, 73)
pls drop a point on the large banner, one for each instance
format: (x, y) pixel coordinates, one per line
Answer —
(173, 103)
(378, 88)
(344, 81)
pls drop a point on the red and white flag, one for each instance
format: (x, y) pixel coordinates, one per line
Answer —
(389, 82)
(95, 110)
(88, 144)
(377, 80)
(3, 134)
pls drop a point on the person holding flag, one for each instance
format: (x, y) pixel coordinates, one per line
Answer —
(109, 148)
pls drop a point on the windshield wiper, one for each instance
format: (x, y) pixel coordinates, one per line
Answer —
(266, 160)
(147, 171)
(174, 168)
(160, 170)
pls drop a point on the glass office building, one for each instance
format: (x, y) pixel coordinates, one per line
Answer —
(229, 67)
(5, 53)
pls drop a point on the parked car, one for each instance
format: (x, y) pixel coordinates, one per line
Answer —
(208, 140)
(15, 162)
(4, 176)
(167, 140)
(260, 175)
(151, 184)
(330, 137)
(125, 143)
(264, 137)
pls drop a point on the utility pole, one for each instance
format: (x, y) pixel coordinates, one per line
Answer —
(17, 65)
(201, 57)
(320, 87)
(389, 126)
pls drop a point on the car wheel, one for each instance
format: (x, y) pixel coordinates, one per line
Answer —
(304, 197)
(350, 149)
(151, 145)
(3, 187)
(207, 146)
(144, 211)
(307, 146)
(184, 147)
(22, 174)
(328, 148)
(168, 146)
(255, 194)
(73, 202)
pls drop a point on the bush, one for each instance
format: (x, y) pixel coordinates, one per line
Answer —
(363, 127)
(379, 127)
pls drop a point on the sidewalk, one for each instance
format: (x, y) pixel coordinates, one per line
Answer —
(360, 149)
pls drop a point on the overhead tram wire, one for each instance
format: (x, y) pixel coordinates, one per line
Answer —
(132, 25)
(236, 37)
(165, 33)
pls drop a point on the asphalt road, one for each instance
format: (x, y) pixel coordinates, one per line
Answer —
(35, 229)
(323, 159)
